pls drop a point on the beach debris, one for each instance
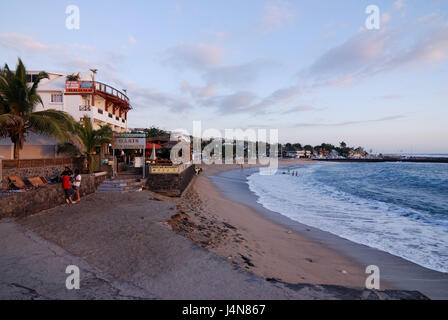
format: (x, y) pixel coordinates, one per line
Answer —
(247, 261)
(344, 272)
(289, 232)
(229, 226)
(273, 280)
(309, 260)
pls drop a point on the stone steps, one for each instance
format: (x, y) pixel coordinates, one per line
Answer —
(122, 185)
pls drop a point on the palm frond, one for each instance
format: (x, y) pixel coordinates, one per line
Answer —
(69, 148)
(46, 125)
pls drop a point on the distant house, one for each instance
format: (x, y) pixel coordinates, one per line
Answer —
(333, 154)
(298, 154)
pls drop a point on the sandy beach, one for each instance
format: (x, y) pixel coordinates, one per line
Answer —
(267, 249)
(275, 247)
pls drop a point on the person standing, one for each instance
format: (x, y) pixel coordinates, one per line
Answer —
(68, 190)
(77, 184)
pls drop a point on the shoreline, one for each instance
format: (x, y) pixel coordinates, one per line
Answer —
(323, 258)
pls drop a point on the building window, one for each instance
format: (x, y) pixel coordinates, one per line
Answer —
(116, 118)
(31, 77)
(100, 111)
(57, 98)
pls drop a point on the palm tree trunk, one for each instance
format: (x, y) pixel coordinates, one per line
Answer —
(16, 152)
(91, 164)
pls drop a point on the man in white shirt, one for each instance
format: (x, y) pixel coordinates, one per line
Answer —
(77, 184)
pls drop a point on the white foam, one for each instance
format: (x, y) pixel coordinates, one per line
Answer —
(368, 222)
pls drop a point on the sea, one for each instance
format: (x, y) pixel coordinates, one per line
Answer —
(399, 208)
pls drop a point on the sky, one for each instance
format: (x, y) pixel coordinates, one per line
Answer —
(310, 69)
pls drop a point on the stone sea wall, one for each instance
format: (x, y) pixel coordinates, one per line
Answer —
(45, 171)
(25, 203)
(172, 185)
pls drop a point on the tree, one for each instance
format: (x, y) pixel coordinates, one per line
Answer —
(297, 146)
(155, 132)
(73, 77)
(18, 98)
(308, 147)
(86, 141)
(343, 145)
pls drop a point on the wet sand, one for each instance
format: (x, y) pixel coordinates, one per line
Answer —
(273, 246)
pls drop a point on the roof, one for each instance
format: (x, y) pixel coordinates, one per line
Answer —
(57, 84)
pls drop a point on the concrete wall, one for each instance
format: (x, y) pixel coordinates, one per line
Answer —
(33, 201)
(36, 147)
(171, 185)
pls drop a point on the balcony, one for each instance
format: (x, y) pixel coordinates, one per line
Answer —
(106, 117)
(95, 87)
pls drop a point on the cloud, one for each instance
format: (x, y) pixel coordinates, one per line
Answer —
(132, 40)
(368, 53)
(240, 101)
(391, 97)
(281, 96)
(399, 4)
(386, 18)
(354, 54)
(276, 15)
(71, 57)
(348, 123)
(235, 75)
(219, 35)
(194, 56)
(198, 92)
(249, 102)
(22, 43)
(150, 98)
(303, 108)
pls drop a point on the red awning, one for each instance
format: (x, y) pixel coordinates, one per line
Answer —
(150, 146)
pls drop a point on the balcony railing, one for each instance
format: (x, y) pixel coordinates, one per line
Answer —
(92, 87)
(85, 108)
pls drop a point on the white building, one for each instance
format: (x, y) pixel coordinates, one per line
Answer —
(298, 154)
(101, 102)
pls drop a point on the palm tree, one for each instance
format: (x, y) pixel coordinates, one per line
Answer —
(18, 98)
(86, 140)
(73, 77)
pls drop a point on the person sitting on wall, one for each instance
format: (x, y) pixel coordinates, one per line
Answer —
(68, 190)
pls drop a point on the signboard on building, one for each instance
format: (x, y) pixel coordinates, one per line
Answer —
(129, 141)
(164, 170)
(72, 84)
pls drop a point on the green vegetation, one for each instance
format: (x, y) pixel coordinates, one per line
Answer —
(86, 140)
(326, 148)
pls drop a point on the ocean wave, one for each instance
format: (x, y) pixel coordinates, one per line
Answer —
(402, 231)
